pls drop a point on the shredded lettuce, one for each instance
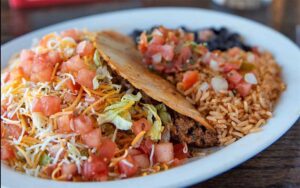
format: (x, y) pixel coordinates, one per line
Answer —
(118, 113)
(73, 150)
(163, 113)
(44, 160)
(102, 75)
(97, 58)
(154, 119)
(39, 121)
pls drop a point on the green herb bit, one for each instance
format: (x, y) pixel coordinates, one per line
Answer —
(44, 160)
(149, 38)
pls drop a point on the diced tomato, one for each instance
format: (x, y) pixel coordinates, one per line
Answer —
(184, 55)
(179, 153)
(73, 87)
(243, 88)
(85, 48)
(143, 43)
(92, 138)
(26, 55)
(73, 33)
(189, 79)
(172, 37)
(16, 74)
(54, 149)
(85, 78)
(74, 64)
(53, 57)
(37, 105)
(234, 77)
(133, 152)
(234, 51)
(95, 169)
(41, 70)
(156, 39)
(227, 67)
(107, 149)
(49, 169)
(7, 150)
(69, 98)
(159, 67)
(140, 125)
(189, 37)
(26, 60)
(167, 51)
(202, 50)
(49, 58)
(51, 104)
(256, 50)
(5, 77)
(63, 124)
(69, 170)
(128, 166)
(164, 152)
(178, 162)
(146, 146)
(13, 131)
(142, 160)
(152, 50)
(163, 30)
(14, 117)
(47, 105)
(82, 124)
(26, 67)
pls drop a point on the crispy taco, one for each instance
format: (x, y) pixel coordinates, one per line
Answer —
(122, 56)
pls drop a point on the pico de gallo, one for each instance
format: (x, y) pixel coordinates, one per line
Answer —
(172, 51)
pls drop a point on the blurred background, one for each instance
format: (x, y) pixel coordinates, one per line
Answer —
(279, 165)
(21, 16)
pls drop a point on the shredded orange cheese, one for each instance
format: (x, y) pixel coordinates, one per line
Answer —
(54, 71)
(73, 105)
(138, 138)
(98, 102)
(55, 171)
(25, 156)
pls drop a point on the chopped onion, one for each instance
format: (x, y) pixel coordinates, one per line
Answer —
(52, 44)
(206, 57)
(68, 39)
(157, 32)
(214, 65)
(204, 86)
(250, 78)
(218, 83)
(68, 52)
(127, 163)
(156, 58)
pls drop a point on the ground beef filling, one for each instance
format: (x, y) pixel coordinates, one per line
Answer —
(187, 130)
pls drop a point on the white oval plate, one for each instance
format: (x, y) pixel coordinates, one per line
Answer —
(286, 112)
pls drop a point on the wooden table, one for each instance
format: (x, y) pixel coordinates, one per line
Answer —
(277, 166)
